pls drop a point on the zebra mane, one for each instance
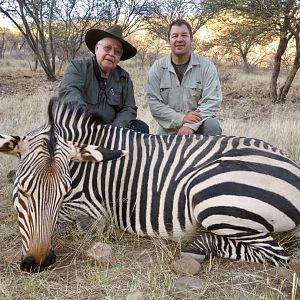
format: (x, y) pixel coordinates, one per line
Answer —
(51, 143)
(67, 118)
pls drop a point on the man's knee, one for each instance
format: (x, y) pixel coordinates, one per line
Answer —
(210, 126)
(139, 125)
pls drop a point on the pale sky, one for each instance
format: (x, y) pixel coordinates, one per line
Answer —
(5, 22)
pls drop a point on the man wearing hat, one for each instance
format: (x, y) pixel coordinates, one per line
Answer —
(100, 84)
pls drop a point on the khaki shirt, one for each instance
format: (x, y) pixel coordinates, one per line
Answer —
(169, 100)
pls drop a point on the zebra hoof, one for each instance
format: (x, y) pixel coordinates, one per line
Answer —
(198, 257)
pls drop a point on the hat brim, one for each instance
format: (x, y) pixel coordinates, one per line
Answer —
(93, 36)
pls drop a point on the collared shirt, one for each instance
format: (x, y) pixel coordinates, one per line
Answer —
(112, 98)
(169, 100)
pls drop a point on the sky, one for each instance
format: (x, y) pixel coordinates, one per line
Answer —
(5, 22)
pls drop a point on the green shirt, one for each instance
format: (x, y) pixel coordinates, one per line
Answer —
(169, 100)
(112, 98)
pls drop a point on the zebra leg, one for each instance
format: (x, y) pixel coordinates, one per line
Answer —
(254, 248)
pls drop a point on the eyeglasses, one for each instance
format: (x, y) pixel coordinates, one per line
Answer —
(108, 48)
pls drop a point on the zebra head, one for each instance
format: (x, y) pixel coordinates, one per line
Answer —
(41, 182)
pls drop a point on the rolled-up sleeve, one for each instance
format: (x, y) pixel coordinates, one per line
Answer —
(166, 116)
(210, 101)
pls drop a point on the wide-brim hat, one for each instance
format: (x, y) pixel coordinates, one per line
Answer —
(93, 36)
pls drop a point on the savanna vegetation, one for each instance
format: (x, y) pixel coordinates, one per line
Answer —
(256, 47)
(54, 30)
(140, 267)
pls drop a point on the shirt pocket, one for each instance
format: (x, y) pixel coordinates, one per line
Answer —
(164, 90)
(194, 90)
(114, 98)
(172, 96)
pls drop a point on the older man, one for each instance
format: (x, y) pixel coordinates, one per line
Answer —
(183, 89)
(100, 84)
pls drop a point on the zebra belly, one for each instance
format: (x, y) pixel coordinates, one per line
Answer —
(178, 235)
(149, 217)
(240, 200)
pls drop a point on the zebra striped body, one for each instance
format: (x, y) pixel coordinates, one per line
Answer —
(239, 189)
(167, 183)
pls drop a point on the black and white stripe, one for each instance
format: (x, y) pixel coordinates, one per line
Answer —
(33, 183)
(239, 189)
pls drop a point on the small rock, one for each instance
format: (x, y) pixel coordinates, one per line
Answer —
(282, 273)
(101, 252)
(137, 295)
(186, 266)
(187, 287)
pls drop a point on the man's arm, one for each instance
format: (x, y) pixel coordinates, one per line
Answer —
(191, 118)
(211, 98)
(71, 88)
(129, 109)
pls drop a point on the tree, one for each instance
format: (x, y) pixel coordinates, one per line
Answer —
(36, 18)
(240, 36)
(129, 13)
(74, 18)
(149, 48)
(3, 40)
(56, 28)
(162, 13)
(283, 17)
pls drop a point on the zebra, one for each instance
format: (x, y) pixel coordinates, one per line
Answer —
(239, 190)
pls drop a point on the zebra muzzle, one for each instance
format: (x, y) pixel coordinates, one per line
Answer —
(29, 263)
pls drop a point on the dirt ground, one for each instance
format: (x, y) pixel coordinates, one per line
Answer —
(26, 83)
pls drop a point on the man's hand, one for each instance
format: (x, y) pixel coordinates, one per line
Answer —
(192, 117)
(185, 131)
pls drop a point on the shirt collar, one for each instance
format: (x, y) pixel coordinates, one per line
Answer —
(193, 62)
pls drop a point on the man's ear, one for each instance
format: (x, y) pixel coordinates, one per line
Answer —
(93, 153)
(13, 144)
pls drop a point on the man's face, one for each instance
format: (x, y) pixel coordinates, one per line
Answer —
(108, 54)
(180, 40)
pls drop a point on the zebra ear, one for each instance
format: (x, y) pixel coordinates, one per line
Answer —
(94, 153)
(13, 144)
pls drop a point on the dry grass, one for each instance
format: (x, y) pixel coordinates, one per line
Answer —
(139, 263)
(13, 66)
